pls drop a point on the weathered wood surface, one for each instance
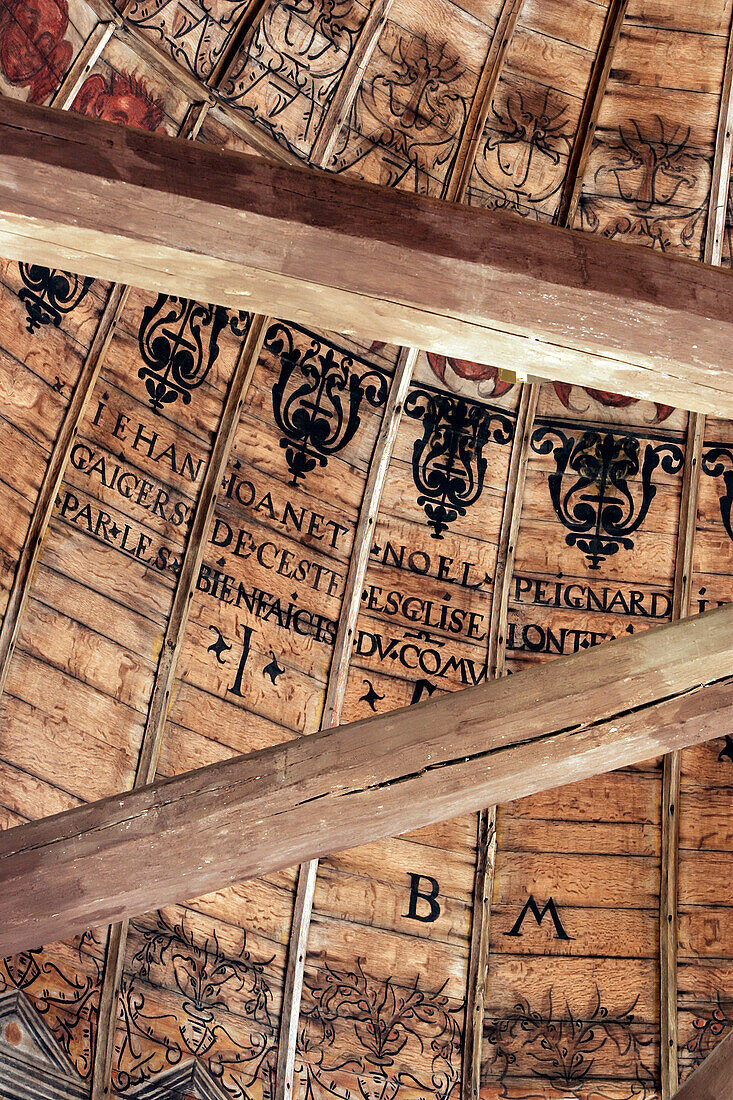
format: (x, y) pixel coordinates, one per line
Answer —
(596, 711)
(713, 1080)
(386, 265)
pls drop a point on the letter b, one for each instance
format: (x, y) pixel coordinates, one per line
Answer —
(430, 897)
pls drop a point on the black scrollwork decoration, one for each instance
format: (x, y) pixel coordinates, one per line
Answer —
(49, 294)
(559, 1047)
(714, 463)
(448, 464)
(317, 398)
(179, 343)
(602, 487)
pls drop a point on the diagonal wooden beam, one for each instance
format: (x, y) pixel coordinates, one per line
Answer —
(713, 1080)
(606, 708)
(217, 226)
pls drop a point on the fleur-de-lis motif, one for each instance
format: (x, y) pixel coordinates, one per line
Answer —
(49, 294)
(714, 462)
(448, 464)
(593, 489)
(317, 397)
(179, 343)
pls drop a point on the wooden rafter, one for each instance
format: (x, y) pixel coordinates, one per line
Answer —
(168, 662)
(669, 867)
(561, 722)
(335, 692)
(669, 861)
(496, 661)
(232, 229)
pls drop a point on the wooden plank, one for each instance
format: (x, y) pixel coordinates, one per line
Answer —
(335, 691)
(364, 260)
(31, 552)
(602, 709)
(510, 529)
(713, 1080)
(668, 923)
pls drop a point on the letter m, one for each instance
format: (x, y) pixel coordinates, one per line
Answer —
(539, 915)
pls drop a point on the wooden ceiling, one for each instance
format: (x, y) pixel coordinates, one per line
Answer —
(224, 530)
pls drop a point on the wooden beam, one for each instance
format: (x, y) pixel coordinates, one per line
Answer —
(713, 1080)
(217, 226)
(615, 705)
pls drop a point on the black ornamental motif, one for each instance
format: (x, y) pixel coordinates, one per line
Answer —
(717, 461)
(448, 463)
(49, 294)
(602, 487)
(317, 398)
(179, 343)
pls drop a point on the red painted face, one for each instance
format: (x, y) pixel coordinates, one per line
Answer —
(125, 100)
(32, 47)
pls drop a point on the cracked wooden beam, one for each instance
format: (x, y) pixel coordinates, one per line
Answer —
(216, 226)
(619, 704)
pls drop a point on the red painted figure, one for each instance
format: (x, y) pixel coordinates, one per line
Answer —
(33, 52)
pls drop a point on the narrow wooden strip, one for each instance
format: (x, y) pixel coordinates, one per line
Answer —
(335, 691)
(669, 866)
(622, 703)
(478, 959)
(194, 553)
(250, 18)
(509, 531)
(52, 478)
(585, 134)
(364, 535)
(293, 987)
(720, 185)
(713, 1080)
(193, 121)
(83, 64)
(460, 172)
(668, 924)
(107, 1016)
(478, 966)
(340, 103)
(688, 517)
